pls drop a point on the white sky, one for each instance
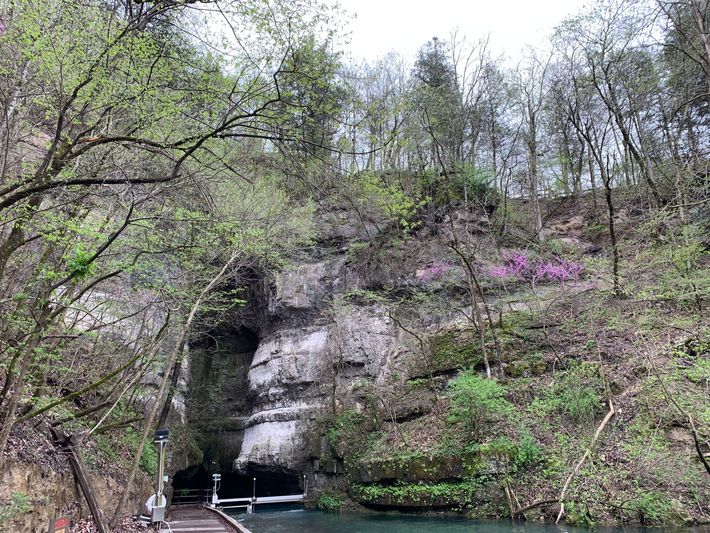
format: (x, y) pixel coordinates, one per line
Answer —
(405, 25)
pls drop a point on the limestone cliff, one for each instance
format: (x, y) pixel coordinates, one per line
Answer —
(355, 349)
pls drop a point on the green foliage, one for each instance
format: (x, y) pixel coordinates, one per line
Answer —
(699, 371)
(580, 394)
(19, 504)
(476, 400)
(475, 184)
(693, 359)
(457, 494)
(310, 82)
(329, 501)
(528, 452)
(577, 394)
(652, 508)
(455, 350)
(346, 434)
(149, 458)
(594, 231)
(80, 263)
(464, 183)
(121, 447)
(677, 263)
(578, 514)
(390, 200)
(107, 447)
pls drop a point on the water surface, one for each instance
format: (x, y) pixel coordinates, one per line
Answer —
(308, 521)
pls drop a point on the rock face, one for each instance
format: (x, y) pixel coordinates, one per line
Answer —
(297, 373)
(48, 491)
(255, 406)
(313, 352)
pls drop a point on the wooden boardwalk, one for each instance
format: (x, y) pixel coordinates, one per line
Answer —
(199, 520)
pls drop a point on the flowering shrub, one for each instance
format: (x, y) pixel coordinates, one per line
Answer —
(434, 271)
(520, 267)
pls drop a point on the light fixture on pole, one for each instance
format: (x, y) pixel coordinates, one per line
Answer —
(216, 479)
(157, 503)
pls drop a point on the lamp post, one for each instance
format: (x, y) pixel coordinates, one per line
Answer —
(216, 478)
(160, 502)
(253, 497)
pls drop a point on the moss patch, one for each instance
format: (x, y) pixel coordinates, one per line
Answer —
(455, 350)
(414, 495)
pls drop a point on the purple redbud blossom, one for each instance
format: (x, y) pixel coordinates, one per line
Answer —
(518, 266)
(433, 271)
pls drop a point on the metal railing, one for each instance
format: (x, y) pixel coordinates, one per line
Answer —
(190, 497)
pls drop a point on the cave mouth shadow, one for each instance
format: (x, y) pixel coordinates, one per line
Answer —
(236, 485)
(240, 339)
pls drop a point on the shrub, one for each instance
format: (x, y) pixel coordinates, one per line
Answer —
(652, 508)
(476, 400)
(579, 393)
(533, 270)
(528, 452)
(330, 502)
(443, 493)
(19, 504)
(390, 200)
(149, 457)
(342, 426)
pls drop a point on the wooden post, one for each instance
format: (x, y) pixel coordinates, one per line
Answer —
(66, 445)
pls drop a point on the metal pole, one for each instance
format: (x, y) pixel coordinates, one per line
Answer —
(254, 490)
(305, 485)
(161, 470)
(216, 478)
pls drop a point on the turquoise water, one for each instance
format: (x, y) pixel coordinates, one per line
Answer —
(307, 521)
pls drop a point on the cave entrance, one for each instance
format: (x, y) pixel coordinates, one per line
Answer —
(218, 406)
(234, 485)
(218, 393)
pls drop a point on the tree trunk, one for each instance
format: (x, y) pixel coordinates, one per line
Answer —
(703, 31)
(174, 378)
(67, 446)
(534, 192)
(606, 180)
(176, 351)
(593, 183)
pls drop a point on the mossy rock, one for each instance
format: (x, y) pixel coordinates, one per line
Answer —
(538, 367)
(455, 350)
(419, 467)
(516, 369)
(330, 466)
(414, 404)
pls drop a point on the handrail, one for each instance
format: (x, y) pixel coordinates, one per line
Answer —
(185, 497)
(290, 498)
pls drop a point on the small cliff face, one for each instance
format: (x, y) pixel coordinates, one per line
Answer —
(52, 492)
(297, 373)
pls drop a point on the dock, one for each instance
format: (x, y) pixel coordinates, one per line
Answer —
(261, 500)
(201, 520)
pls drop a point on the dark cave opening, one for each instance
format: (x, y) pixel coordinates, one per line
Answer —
(218, 405)
(218, 400)
(234, 485)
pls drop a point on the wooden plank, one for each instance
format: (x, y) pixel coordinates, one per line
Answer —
(200, 521)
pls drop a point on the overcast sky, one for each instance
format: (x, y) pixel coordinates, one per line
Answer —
(404, 25)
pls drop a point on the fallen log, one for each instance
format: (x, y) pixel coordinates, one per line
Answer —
(67, 446)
